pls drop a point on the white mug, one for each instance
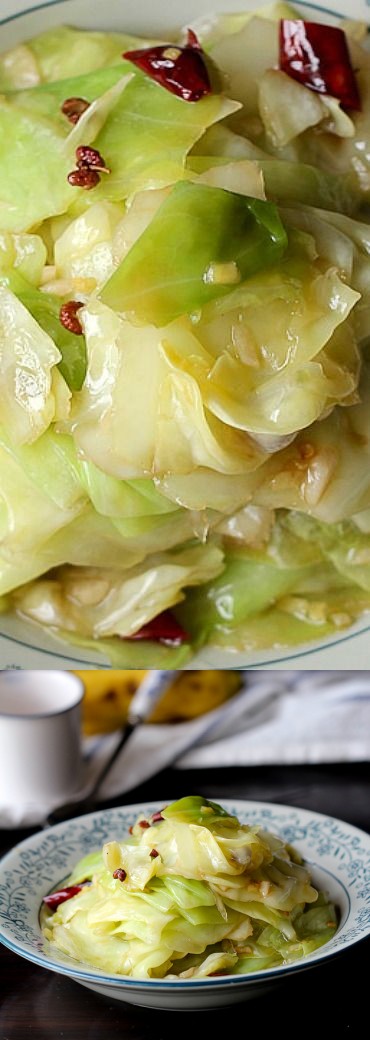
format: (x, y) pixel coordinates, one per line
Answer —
(40, 738)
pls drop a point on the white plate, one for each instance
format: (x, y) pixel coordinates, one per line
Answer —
(338, 855)
(23, 645)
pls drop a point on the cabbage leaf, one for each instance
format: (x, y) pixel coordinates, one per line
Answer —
(197, 236)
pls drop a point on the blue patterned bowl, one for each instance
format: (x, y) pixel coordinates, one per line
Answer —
(338, 854)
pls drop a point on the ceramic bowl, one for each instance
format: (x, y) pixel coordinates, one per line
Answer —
(337, 853)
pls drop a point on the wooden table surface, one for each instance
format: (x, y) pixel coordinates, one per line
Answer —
(329, 1001)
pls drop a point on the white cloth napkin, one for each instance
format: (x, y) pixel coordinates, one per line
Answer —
(277, 718)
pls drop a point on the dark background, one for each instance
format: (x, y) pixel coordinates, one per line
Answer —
(328, 1001)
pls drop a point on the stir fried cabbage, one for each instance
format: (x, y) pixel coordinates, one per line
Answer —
(184, 343)
(192, 893)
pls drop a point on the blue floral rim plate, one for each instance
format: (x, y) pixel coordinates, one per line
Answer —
(338, 855)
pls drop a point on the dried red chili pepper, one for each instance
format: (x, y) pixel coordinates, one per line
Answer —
(86, 156)
(153, 854)
(181, 70)
(144, 824)
(192, 40)
(68, 317)
(56, 898)
(163, 629)
(318, 57)
(84, 177)
(74, 107)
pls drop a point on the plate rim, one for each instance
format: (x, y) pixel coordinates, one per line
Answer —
(307, 649)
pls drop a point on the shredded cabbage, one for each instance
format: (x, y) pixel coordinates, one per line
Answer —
(191, 893)
(168, 439)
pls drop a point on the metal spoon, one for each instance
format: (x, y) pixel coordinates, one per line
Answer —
(144, 700)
